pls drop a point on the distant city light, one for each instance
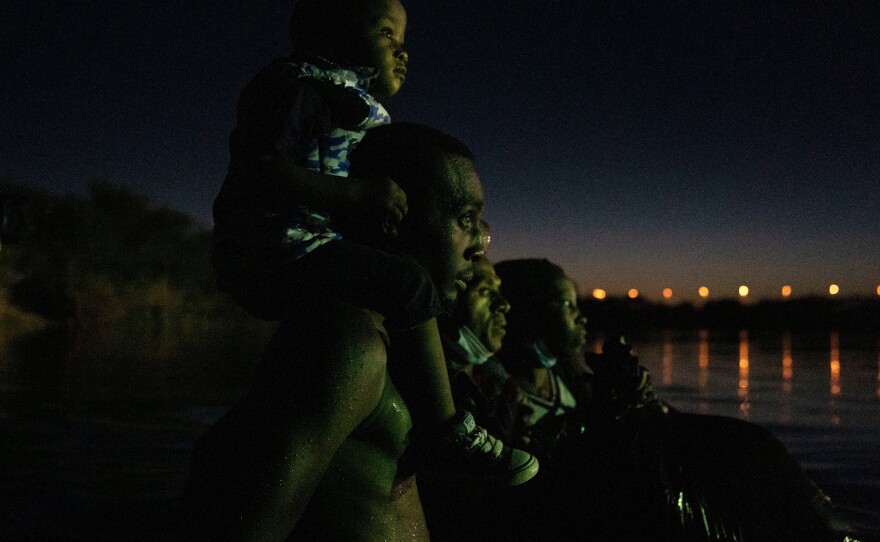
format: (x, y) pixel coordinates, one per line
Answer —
(633, 293)
(743, 291)
(599, 293)
(786, 290)
(703, 291)
(667, 293)
(834, 289)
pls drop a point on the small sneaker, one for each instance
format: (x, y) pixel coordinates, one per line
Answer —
(468, 454)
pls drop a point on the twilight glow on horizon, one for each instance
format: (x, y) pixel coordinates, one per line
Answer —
(641, 147)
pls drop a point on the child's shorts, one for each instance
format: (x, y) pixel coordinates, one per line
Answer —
(392, 284)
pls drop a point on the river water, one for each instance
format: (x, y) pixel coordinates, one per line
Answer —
(99, 453)
(819, 393)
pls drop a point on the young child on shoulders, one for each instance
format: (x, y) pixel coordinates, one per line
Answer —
(288, 218)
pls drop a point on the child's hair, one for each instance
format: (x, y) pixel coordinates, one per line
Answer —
(322, 26)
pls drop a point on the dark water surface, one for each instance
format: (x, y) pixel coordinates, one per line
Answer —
(819, 393)
(101, 453)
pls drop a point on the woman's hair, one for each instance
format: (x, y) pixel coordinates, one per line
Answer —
(528, 285)
(322, 27)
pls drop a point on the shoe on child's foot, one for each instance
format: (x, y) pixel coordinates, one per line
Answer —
(467, 454)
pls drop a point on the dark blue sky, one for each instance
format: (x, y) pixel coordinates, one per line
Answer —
(639, 144)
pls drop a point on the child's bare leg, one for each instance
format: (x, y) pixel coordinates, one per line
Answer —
(421, 374)
(454, 449)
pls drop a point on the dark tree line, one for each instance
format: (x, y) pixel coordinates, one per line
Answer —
(805, 313)
(120, 277)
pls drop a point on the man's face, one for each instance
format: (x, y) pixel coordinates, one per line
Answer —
(448, 239)
(565, 332)
(482, 308)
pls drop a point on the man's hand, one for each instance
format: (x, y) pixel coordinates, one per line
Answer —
(371, 206)
(380, 202)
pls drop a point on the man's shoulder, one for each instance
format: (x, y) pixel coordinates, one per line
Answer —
(330, 346)
(335, 325)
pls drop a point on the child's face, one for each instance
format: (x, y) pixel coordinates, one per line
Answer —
(382, 46)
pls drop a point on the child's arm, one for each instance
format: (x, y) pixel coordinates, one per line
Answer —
(380, 199)
(278, 121)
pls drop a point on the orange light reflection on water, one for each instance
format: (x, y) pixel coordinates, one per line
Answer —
(834, 364)
(787, 373)
(787, 363)
(834, 368)
(703, 361)
(667, 359)
(743, 390)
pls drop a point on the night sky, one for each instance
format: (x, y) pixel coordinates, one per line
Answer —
(638, 144)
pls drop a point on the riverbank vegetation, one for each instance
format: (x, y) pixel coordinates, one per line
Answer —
(112, 278)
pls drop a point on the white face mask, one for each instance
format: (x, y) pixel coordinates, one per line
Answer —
(473, 347)
(543, 354)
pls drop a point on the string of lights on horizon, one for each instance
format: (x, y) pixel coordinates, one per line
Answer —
(704, 293)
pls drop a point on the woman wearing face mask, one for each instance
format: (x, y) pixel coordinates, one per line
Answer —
(544, 353)
(553, 329)
(594, 458)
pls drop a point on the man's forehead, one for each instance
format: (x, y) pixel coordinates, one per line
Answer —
(565, 287)
(459, 183)
(482, 279)
(484, 275)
